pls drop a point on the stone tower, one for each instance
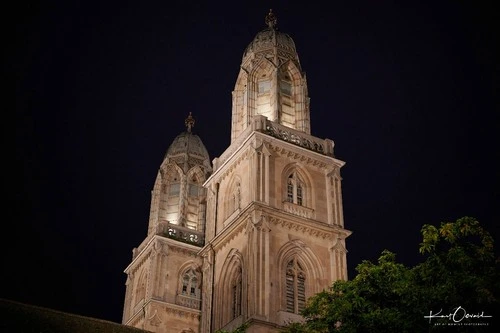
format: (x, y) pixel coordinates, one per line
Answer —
(266, 229)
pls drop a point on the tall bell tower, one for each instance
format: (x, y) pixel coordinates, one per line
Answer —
(164, 279)
(275, 227)
(247, 238)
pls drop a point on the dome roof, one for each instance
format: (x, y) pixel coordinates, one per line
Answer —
(271, 39)
(188, 145)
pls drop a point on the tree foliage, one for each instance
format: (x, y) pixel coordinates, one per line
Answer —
(459, 270)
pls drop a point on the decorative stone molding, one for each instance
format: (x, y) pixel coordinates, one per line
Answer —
(187, 301)
(298, 210)
(339, 246)
(155, 320)
(303, 228)
(159, 248)
(182, 313)
(301, 139)
(184, 251)
(180, 233)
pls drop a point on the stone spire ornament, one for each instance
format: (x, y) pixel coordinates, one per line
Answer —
(271, 19)
(189, 122)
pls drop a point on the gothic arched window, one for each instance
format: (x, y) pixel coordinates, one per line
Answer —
(195, 195)
(295, 287)
(295, 189)
(189, 289)
(287, 114)
(190, 284)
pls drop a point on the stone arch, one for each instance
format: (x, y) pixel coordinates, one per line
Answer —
(295, 111)
(262, 91)
(301, 178)
(298, 253)
(171, 177)
(230, 293)
(196, 175)
(189, 285)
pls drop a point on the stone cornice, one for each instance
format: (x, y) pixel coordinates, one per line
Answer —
(298, 146)
(309, 226)
(302, 155)
(178, 310)
(278, 218)
(322, 231)
(148, 248)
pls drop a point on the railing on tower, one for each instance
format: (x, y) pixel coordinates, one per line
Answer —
(304, 140)
(284, 133)
(180, 233)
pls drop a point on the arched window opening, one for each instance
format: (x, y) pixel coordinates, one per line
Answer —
(195, 196)
(287, 101)
(295, 287)
(171, 189)
(264, 96)
(189, 289)
(190, 284)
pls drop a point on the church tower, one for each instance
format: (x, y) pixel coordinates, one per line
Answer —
(249, 238)
(163, 288)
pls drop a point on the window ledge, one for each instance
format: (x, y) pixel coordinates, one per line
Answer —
(298, 210)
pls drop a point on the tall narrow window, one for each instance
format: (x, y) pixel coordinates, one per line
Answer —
(236, 295)
(172, 190)
(289, 193)
(299, 194)
(295, 287)
(287, 109)
(295, 190)
(263, 101)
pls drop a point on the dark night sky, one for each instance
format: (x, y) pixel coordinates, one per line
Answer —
(408, 92)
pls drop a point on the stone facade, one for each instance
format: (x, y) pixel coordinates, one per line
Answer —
(248, 238)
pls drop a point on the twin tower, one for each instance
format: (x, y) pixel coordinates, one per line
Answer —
(249, 237)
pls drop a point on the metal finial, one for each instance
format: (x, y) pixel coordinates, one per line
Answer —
(189, 122)
(271, 19)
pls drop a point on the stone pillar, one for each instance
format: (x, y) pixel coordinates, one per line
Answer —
(207, 295)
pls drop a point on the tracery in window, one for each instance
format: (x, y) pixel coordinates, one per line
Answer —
(295, 189)
(295, 287)
(190, 284)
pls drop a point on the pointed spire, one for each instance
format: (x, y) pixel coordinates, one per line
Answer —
(271, 19)
(189, 122)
